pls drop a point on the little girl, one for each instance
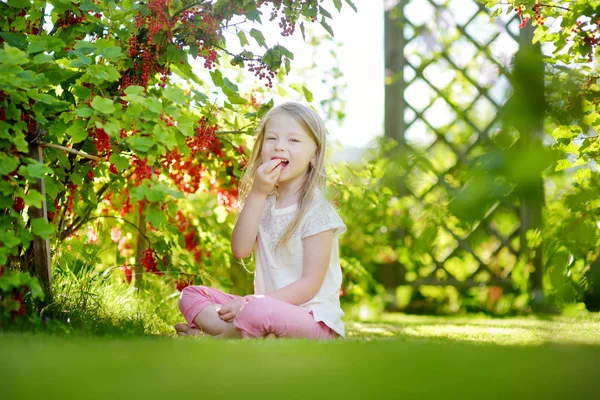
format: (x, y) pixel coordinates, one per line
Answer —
(295, 231)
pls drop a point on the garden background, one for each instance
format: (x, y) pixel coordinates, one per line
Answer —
(124, 127)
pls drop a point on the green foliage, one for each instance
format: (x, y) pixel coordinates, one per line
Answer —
(139, 152)
(13, 288)
(571, 235)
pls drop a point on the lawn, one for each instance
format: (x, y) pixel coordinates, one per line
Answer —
(397, 356)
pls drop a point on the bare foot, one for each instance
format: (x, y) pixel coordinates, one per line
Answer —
(271, 336)
(186, 330)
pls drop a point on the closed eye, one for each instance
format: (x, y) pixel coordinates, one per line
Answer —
(295, 140)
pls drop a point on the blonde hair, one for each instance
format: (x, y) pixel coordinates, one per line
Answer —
(316, 176)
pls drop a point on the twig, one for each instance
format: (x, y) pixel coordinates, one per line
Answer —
(73, 151)
(124, 220)
(512, 3)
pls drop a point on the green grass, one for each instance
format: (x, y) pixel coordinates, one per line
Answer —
(397, 356)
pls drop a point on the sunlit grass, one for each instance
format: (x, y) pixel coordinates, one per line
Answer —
(583, 328)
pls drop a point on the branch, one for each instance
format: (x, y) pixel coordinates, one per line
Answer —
(73, 151)
(184, 9)
(124, 220)
(512, 3)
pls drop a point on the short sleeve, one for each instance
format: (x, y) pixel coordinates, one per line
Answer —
(321, 218)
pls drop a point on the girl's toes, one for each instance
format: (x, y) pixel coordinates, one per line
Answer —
(182, 328)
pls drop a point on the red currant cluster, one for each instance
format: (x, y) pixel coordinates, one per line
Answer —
(18, 204)
(126, 205)
(185, 173)
(181, 283)
(190, 236)
(33, 27)
(520, 10)
(102, 142)
(57, 208)
(287, 26)
(17, 295)
(168, 120)
(149, 262)
(26, 117)
(127, 272)
(141, 170)
(228, 198)
(261, 71)
(204, 137)
(72, 189)
(210, 57)
(68, 19)
(539, 18)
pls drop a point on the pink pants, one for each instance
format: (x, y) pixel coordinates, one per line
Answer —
(259, 316)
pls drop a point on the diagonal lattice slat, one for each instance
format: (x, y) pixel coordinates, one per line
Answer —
(468, 87)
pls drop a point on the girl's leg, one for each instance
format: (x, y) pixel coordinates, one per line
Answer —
(264, 316)
(199, 305)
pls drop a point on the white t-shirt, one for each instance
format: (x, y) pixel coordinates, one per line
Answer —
(274, 271)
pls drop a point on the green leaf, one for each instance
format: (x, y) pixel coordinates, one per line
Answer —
(77, 131)
(100, 73)
(217, 78)
(175, 94)
(11, 55)
(103, 105)
(8, 239)
(120, 162)
(84, 111)
(258, 36)
(19, 3)
(351, 4)
(325, 25)
(113, 128)
(112, 53)
(140, 143)
(539, 33)
(42, 228)
(33, 198)
(36, 169)
(324, 12)
(8, 164)
(300, 88)
(185, 125)
(36, 44)
(243, 39)
(563, 164)
(155, 216)
(154, 105)
(43, 59)
(338, 4)
(565, 132)
(307, 94)
(134, 90)
(15, 41)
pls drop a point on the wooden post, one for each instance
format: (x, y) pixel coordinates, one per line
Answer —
(139, 251)
(532, 196)
(392, 274)
(394, 70)
(37, 256)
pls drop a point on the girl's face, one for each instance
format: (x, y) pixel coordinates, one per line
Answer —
(286, 139)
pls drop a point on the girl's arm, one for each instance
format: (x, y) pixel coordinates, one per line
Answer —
(246, 227)
(317, 253)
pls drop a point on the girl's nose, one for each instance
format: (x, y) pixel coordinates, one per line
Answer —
(279, 145)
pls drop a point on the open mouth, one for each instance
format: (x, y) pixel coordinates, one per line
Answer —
(284, 163)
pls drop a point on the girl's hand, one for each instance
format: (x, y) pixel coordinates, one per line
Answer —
(266, 176)
(230, 309)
